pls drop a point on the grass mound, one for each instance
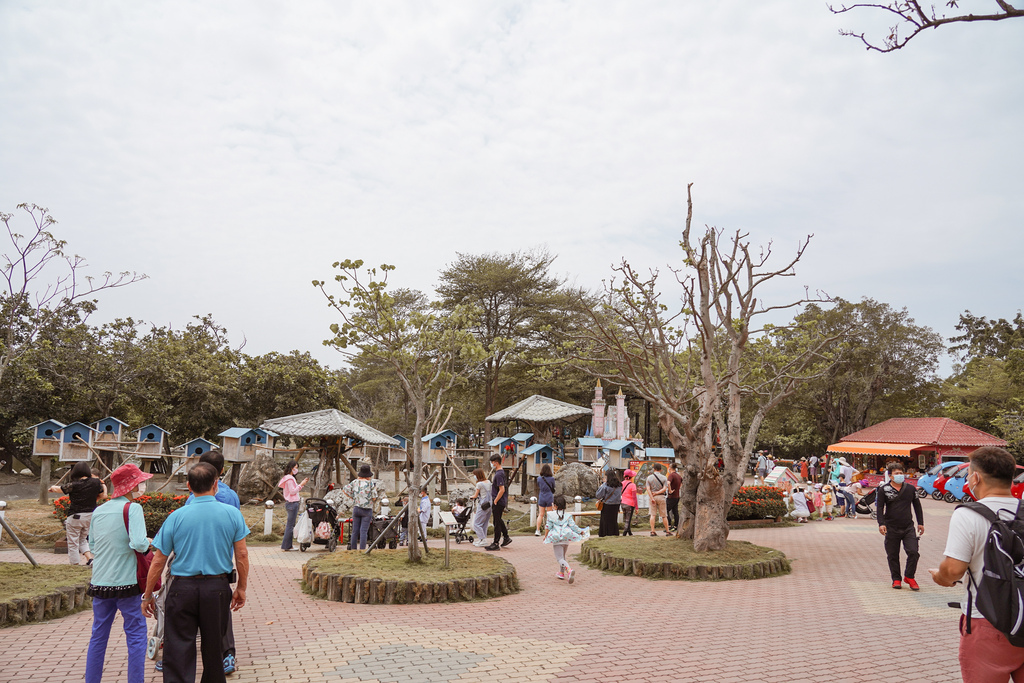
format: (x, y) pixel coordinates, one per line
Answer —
(22, 580)
(672, 558)
(394, 565)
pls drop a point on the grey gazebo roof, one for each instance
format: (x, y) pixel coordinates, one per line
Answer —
(329, 422)
(540, 409)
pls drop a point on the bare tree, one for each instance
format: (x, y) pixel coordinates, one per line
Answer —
(42, 283)
(701, 362)
(912, 18)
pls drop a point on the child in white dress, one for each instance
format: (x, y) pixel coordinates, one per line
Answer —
(561, 530)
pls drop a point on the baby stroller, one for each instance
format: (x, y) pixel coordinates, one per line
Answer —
(320, 513)
(461, 521)
(377, 527)
(155, 643)
(864, 505)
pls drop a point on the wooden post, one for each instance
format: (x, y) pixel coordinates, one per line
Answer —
(44, 479)
(397, 483)
(236, 470)
(524, 478)
(147, 464)
(444, 477)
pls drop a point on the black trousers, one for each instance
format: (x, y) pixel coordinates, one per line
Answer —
(908, 537)
(500, 530)
(609, 520)
(673, 511)
(196, 604)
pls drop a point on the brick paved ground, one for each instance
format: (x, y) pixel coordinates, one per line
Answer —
(834, 618)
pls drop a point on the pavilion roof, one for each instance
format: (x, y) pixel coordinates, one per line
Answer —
(330, 422)
(539, 408)
(933, 431)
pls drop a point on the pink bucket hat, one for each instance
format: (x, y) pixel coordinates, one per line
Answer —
(630, 473)
(125, 478)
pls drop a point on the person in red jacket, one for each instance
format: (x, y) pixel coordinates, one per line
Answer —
(628, 501)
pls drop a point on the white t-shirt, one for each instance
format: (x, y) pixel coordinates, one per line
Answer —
(800, 505)
(966, 540)
(846, 472)
(483, 492)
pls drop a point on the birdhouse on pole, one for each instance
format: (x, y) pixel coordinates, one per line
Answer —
(438, 445)
(46, 438)
(152, 442)
(109, 429)
(197, 447)
(537, 456)
(238, 444)
(75, 442)
(589, 448)
(398, 453)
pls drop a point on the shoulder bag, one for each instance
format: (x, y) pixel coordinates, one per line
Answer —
(142, 560)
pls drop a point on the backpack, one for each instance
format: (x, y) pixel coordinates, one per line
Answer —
(999, 591)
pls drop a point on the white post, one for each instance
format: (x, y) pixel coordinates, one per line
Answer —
(437, 513)
(385, 507)
(268, 518)
(533, 511)
(579, 504)
(3, 511)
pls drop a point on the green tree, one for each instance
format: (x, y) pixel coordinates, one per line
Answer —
(277, 384)
(429, 351)
(520, 304)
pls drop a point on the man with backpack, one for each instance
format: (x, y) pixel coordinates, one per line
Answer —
(984, 542)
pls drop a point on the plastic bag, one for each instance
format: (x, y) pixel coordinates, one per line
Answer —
(304, 530)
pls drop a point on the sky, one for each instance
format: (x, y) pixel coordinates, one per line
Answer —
(233, 151)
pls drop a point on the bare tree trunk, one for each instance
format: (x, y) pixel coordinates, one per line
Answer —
(415, 481)
(712, 531)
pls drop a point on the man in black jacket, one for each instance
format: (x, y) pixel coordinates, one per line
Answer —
(893, 502)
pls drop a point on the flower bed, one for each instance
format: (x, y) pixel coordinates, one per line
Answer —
(155, 507)
(757, 502)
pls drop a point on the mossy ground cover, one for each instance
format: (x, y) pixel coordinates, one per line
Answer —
(672, 558)
(22, 580)
(394, 565)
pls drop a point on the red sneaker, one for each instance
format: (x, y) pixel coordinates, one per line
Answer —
(897, 585)
(913, 584)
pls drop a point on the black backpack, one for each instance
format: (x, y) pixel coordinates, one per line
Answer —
(999, 591)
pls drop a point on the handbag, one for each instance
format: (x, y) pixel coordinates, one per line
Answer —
(599, 505)
(142, 560)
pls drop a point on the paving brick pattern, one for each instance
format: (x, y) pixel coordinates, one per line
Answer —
(833, 618)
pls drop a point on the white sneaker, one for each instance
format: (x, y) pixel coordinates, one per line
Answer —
(479, 544)
(537, 532)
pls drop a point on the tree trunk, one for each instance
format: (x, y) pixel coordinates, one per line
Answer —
(415, 481)
(711, 530)
(324, 471)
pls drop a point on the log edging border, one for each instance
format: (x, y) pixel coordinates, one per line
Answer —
(604, 560)
(59, 602)
(363, 590)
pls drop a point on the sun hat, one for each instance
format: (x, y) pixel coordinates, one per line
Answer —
(863, 482)
(125, 478)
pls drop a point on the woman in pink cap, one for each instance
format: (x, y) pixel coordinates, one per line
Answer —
(117, 532)
(628, 501)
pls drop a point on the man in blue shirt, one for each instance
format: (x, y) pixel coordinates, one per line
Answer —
(224, 493)
(203, 536)
(228, 497)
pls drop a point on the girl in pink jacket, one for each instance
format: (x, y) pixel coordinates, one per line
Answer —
(628, 501)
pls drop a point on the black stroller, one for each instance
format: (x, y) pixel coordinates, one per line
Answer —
(864, 505)
(378, 527)
(462, 520)
(322, 512)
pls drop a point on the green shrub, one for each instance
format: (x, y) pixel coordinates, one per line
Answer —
(155, 508)
(757, 502)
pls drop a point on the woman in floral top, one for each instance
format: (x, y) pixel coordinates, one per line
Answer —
(363, 494)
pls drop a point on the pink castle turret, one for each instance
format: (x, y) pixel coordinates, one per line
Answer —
(620, 416)
(597, 422)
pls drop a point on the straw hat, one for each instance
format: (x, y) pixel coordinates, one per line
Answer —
(125, 478)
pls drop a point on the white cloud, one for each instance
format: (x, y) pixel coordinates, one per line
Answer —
(234, 151)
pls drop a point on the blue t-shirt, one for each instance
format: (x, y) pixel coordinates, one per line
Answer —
(224, 495)
(500, 479)
(202, 537)
(545, 491)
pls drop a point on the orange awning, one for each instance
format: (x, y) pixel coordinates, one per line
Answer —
(876, 448)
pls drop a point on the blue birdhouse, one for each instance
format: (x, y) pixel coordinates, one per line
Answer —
(506, 447)
(620, 452)
(108, 430)
(197, 447)
(152, 442)
(46, 438)
(265, 437)
(589, 449)
(536, 456)
(438, 447)
(400, 452)
(75, 442)
(238, 444)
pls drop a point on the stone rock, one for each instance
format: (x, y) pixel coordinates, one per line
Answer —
(456, 491)
(26, 472)
(576, 479)
(259, 477)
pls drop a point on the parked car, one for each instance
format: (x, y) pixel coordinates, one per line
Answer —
(955, 486)
(1017, 488)
(940, 481)
(926, 482)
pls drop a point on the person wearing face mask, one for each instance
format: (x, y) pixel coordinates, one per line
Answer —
(291, 501)
(893, 503)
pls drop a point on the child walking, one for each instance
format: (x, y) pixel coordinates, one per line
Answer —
(561, 531)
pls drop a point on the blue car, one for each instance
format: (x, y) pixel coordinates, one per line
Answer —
(926, 482)
(955, 488)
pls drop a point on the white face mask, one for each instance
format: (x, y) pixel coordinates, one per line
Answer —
(142, 488)
(898, 478)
